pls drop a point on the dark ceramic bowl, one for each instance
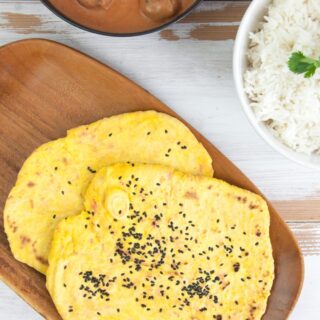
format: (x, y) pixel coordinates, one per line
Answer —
(105, 33)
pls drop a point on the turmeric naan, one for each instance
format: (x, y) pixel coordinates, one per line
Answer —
(52, 181)
(156, 243)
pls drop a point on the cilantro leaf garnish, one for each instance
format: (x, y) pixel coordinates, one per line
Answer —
(299, 63)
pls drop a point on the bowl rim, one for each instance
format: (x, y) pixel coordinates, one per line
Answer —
(261, 129)
(62, 16)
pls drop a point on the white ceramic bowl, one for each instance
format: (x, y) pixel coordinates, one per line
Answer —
(250, 21)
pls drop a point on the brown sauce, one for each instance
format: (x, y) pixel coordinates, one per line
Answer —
(121, 16)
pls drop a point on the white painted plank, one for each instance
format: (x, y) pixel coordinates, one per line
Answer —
(308, 236)
(13, 307)
(308, 305)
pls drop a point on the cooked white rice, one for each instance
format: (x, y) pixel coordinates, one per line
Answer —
(286, 102)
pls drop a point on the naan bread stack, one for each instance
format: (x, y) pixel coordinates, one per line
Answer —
(124, 217)
(155, 243)
(52, 181)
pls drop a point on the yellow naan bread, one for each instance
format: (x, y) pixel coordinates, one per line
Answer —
(155, 243)
(52, 181)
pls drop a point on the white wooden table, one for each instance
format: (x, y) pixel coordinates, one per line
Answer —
(188, 66)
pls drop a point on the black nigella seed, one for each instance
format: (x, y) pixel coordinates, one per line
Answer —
(91, 170)
(236, 267)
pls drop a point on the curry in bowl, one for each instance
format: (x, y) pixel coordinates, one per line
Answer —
(121, 16)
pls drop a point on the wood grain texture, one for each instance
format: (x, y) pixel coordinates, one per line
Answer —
(298, 210)
(218, 12)
(48, 88)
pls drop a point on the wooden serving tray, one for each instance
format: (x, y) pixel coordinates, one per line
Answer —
(47, 88)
